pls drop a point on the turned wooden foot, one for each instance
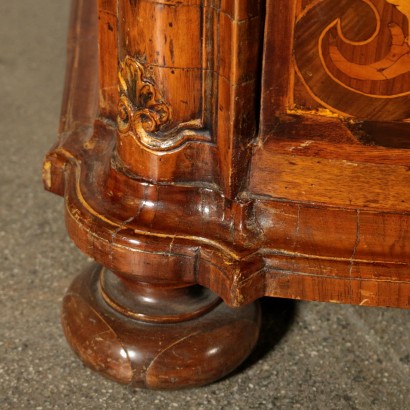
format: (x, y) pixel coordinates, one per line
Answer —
(155, 337)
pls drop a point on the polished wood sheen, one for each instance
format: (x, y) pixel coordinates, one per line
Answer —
(163, 339)
(228, 149)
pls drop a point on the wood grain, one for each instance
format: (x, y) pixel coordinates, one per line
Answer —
(214, 157)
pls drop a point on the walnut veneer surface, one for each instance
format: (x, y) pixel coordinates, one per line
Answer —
(254, 148)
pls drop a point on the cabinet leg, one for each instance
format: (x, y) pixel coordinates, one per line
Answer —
(158, 337)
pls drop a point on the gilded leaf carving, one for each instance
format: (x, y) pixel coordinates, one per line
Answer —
(144, 114)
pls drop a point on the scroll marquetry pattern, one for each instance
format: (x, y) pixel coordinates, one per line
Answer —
(352, 57)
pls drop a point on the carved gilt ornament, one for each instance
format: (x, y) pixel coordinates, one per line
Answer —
(144, 114)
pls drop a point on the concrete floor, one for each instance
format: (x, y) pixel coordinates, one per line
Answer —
(311, 356)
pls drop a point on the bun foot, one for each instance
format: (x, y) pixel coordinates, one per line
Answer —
(155, 337)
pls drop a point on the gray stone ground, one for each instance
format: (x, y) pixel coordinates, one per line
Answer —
(312, 356)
